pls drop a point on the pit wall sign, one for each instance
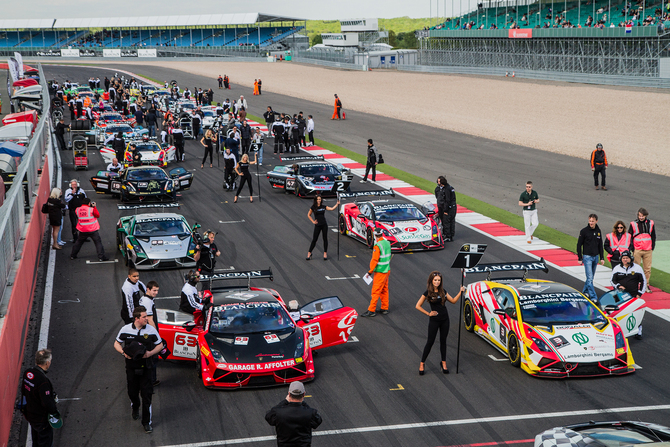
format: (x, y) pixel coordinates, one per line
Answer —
(146, 52)
(520, 33)
(69, 52)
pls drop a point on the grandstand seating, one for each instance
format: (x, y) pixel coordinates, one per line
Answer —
(569, 11)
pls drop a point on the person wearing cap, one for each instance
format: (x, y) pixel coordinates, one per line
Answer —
(629, 276)
(599, 165)
(40, 399)
(293, 419)
(137, 342)
(380, 267)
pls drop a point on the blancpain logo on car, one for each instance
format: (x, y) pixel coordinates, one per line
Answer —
(585, 343)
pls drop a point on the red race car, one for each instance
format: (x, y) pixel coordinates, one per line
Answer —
(404, 225)
(248, 336)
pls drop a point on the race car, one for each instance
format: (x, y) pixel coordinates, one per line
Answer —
(629, 310)
(156, 240)
(142, 183)
(405, 226)
(108, 132)
(248, 337)
(605, 434)
(547, 328)
(309, 178)
(110, 118)
(153, 154)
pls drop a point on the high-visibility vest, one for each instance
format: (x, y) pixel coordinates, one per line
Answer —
(620, 244)
(642, 241)
(86, 222)
(384, 263)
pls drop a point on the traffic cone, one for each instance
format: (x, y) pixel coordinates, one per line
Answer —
(513, 74)
(507, 74)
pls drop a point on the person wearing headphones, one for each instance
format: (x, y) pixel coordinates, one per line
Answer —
(190, 297)
(205, 255)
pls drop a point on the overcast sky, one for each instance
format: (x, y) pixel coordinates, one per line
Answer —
(314, 9)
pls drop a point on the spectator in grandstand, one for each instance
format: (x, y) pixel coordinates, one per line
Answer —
(528, 200)
(599, 165)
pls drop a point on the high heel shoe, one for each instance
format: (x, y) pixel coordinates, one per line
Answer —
(309, 257)
(235, 201)
(444, 370)
(422, 371)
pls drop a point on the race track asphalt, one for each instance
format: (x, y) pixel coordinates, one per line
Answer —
(367, 387)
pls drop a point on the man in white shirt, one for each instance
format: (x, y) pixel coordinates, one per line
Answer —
(310, 129)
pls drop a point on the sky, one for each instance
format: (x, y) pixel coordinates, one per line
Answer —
(303, 9)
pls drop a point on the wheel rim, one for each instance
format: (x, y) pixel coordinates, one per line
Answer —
(513, 348)
(467, 314)
(369, 239)
(343, 228)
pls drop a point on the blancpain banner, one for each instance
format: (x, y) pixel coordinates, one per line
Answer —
(147, 52)
(68, 52)
(111, 53)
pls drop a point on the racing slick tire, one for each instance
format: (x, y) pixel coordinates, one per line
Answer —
(342, 225)
(468, 316)
(86, 125)
(513, 350)
(369, 239)
(198, 366)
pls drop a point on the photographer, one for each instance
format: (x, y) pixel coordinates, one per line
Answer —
(527, 200)
(206, 253)
(88, 226)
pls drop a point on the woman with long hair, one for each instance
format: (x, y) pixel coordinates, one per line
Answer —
(617, 242)
(242, 169)
(209, 147)
(55, 210)
(317, 215)
(439, 318)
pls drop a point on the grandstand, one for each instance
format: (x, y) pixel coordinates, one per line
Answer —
(257, 30)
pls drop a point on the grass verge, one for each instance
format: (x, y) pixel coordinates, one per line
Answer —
(659, 279)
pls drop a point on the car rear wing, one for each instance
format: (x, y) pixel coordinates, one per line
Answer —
(238, 274)
(509, 267)
(144, 206)
(303, 157)
(356, 194)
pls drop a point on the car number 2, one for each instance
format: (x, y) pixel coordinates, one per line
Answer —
(185, 345)
(339, 186)
(314, 334)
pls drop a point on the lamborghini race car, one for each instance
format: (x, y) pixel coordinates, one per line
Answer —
(156, 241)
(311, 178)
(547, 328)
(404, 225)
(103, 135)
(143, 183)
(109, 118)
(152, 153)
(248, 337)
(629, 310)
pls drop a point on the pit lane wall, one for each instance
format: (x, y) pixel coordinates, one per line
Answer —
(21, 236)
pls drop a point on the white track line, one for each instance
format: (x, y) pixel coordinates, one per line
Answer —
(436, 424)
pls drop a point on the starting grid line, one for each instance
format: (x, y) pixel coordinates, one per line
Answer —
(419, 425)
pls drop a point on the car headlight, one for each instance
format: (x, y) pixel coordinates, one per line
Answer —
(300, 347)
(218, 357)
(619, 340)
(394, 231)
(541, 345)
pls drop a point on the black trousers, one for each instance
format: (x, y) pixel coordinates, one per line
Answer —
(311, 137)
(279, 144)
(323, 229)
(302, 139)
(287, 142)
(434, 326)
(599, 169)
(245, 179)
(369, 167)
(210, 151)
(179, 147)
(73, 222)
(229, 178)
(81, 238)
(339, 113)
(448, 220)
(140, 386)
(61, 142)
(246, 142)
(42, 433)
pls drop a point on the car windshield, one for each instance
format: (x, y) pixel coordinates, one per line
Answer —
(318, 169)
(147, 147)
(118, 128)
(616, 437)
(112, 117)
(84, 89)
(147, 174)
(208, 113)
(188, 105)
(160, 226)
(247, 318)
(547, 309)
(398, 212)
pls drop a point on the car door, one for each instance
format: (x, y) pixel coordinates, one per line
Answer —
(184, 179)
(180, 338)
(327, 322)
(102, 182)
(359, 220)
(630, 310)
(504, 322)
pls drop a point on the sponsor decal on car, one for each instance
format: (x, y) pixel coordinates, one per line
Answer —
(251, 367)
(272, 338)
(314, 334)
(242, 341)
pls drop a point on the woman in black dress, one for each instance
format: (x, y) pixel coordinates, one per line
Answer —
(317, 215)
(208, 142)
(242, 169)
(55, 207)
(439, 318)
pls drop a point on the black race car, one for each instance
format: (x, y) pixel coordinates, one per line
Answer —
(143, 183)
(309, 178)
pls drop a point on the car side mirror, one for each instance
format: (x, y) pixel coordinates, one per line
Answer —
(306, 317)
(500, 312)
(361, 216)
(189, 325)
(611, 308)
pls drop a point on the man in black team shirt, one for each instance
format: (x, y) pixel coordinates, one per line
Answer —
(138, 342)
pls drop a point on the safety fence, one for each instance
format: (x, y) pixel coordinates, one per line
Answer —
(21, 235)
(332, 64)
(583, 78)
